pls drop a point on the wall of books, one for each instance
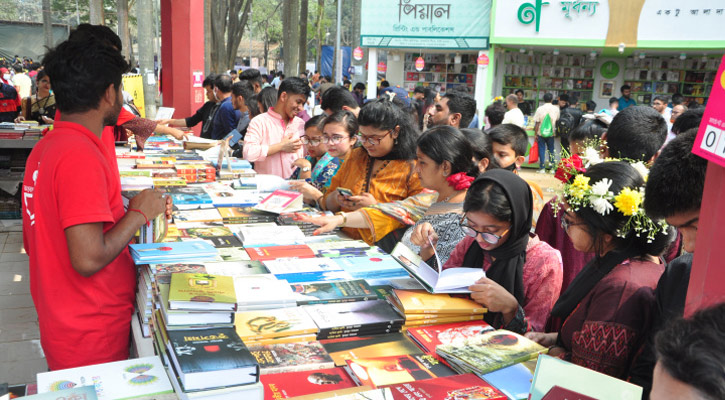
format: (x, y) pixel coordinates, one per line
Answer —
(653, 76)
(440, 72)
(539, 73)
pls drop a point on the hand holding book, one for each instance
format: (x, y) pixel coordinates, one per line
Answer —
(150, 203)
(497, 299)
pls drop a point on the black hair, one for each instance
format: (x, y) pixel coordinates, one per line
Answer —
(694, 105)
(41, 74)
(677, 179)
(346, 82)
(660, 98)
(419, 89)
(564, 97)
(688, 120)
(335, 98)
(344, 118)
(18, 68)
(100, 32)
(233, 72)
(613, 100)
(495, 113)
(314, 121)
(384, 83)
(209, 80)
(548, 97)
(223, 83)
(480, 144)
(267, 98)
(382, 114)
(429, 97)
(519, 91)
(242, 88)
(293, 86)
(691, 351)
(510, 134)
(81, 71)
(253, 105)
(591, 105)
(251, 75)
(574, 98)
(463, 104)
(625, 87)
(488, 197)
(359, 85)
(637, 133)
(622, 175)
(677, 98)
(463, 89)
(446, 143)
(588, 130)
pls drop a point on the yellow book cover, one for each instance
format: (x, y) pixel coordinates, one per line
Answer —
(202, 292)
(288, 339)
(273, 323)
(422, 302)
(436, 317)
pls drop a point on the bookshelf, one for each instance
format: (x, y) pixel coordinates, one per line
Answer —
(653, 76)
(540, 73)
(440, 72)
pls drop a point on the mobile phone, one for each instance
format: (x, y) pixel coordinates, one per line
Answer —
(345, 192)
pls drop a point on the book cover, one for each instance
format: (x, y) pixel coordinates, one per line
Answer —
(551, 372)
(75, 393)
(391, 344)
(293, 384)
(202, 292)
(115, 380)
(391, 370)
(309, 337)
(275, 323)
(439, 320)
(188, 318)
(233, 254)
(514, 381)
(275, 252)
(353, 315)
(452, 280)
(490, 351)
(333, 292)
(429, 337)
(422, 302)
(245, 215)
(298, 270)
(467, 386)
(372, 268)
(238, 268)
(260, 290)
(190, 195)
(202, 215)
(289, 357)
(169, 252)
(209, 358)
(269, 235)
(281, 201)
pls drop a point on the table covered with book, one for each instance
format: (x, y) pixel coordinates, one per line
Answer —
(242, 301)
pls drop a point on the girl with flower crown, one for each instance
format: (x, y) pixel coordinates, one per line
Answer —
(602, 318)
(446, 169)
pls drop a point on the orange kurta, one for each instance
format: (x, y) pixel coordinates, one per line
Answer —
(395, 181)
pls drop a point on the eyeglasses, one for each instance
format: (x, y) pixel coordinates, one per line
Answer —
(488, 237)
(565, 225)
(336, 139)
(373, 141)
(312, 142)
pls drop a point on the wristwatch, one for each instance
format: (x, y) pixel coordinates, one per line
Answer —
(305, 169)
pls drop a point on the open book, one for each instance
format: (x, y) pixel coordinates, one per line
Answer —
(452, 280)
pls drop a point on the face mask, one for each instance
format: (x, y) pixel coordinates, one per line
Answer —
(511, 167)
(7, 77)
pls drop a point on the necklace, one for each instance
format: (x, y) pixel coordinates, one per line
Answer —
(450, 196)
(41, 109)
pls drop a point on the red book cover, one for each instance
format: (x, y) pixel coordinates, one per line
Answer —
(428, 337)
(467, 386)
(274, 252)
(292, 384)
(385, 371)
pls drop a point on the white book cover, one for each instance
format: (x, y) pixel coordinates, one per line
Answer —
(116, 380)
(164, 113)
(451, 280)
(202, 215)
(261, 289)
(250, 235)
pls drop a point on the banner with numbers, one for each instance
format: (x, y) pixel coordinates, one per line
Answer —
(710, 142)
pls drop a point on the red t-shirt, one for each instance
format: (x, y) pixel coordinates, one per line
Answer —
(71, 179)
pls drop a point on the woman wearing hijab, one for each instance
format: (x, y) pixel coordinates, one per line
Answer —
(523, 274)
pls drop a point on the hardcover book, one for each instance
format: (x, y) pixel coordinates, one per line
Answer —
(293, 384)
(148, 253)
(289, 357)
(115, 380)
(422, 302)
(202, 292)
(274, 323)
(359, 314)
(211, 358)
(193, 318)
(333, 292)
(257, 292)
(299, 270)
(244, 215)
(391, 344)
(467, 386)
(391, 370)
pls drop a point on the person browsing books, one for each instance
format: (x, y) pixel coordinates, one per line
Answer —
(380, 171)
(82, 277)
(523, 274)
(329, 143)
(609, 303)
(273, 141)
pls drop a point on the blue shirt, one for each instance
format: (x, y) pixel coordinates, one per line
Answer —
(225, 119)
(624, 103)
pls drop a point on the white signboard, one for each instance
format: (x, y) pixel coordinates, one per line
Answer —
(667, 20)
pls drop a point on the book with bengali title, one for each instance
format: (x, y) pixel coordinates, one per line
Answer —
(281, 201)
(190, 197)
(201, 215)
(422, 302)
(303, 270)
(203, 292)
(175, 318)
(273, 323)
(451, 280)
(258, 292)
(269, 235)
(244, 215)
(375, 270)
(293, 384)
(290, 357)
(467, 386)
(391, 370)
(271, 253)
(170, 252)
(333, 292)
(390, 344)
(430, 337)
(338, 317)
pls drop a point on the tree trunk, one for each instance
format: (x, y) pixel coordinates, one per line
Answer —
(320, 13)
(47, 24)
(122, 9)
(304, 4)
(95, 9)
(219, 15)
(355, 40)
(144, 16)
(238, 18)
(207, 37)
(290, 39)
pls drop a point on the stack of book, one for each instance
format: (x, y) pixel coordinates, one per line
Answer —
(360, 318)
(149, 253)
(245, 215)
(294, 218)
(422, 308)
(288, 357)
(279, 325)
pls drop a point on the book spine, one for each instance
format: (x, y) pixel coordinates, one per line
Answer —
(357, 332)
(340, 300)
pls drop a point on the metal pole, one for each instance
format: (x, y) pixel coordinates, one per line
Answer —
(144, 16)
(338, 52)
(250, 38)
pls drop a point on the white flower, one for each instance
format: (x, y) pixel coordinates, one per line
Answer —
(591, 156)
(642, 169)
(601, 205)
(601, 188)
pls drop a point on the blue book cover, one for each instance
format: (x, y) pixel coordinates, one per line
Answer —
(236, 164)
(189, 195)
(513, 381)
(159, 252)
(382, 266)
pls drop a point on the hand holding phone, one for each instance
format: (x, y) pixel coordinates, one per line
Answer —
(344, 192)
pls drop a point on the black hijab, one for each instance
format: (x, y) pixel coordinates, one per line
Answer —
(509, 258)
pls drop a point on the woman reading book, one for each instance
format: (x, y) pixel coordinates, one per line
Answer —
(601, 319)
(523, 274)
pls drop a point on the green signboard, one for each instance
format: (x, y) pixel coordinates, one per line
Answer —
(452, 24)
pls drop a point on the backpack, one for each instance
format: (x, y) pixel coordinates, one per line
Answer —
(567, 122)
(546, 129)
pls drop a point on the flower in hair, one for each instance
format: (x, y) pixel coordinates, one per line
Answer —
(460, 181)
(628, 201)
(568, 167)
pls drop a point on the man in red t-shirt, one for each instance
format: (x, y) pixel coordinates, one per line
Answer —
(75, 229)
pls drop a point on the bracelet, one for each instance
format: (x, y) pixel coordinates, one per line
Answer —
(344, 218)
(144, 215)
(319, 205)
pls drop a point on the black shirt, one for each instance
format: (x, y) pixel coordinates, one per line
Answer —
(201, 115)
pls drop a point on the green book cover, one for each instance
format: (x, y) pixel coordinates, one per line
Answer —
(202, 292)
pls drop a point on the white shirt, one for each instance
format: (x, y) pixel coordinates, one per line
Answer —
(550, 109)
(23, 84)
(514, 116)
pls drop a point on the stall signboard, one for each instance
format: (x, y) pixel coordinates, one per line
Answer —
(710, 141)
(425, 24)
(700, 24)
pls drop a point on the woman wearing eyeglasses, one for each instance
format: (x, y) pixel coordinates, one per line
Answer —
(328, 142)
(523, 274)
(381, 171)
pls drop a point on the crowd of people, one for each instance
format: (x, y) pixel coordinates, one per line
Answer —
(599, 273)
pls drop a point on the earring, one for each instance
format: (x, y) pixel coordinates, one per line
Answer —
(395, 141)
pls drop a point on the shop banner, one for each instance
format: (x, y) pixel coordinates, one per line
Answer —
(133, 84)
(696, 21)
(425, 24)
(710, 142)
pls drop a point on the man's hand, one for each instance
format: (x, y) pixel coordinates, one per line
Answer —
(151, 202)
(290, 145)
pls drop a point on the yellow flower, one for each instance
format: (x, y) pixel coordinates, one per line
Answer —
(628, 201)
(579, 187)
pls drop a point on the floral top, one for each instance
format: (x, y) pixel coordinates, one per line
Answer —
(444, 217)
(323, 171)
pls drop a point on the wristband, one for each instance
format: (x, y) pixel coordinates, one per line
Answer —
(144, 215)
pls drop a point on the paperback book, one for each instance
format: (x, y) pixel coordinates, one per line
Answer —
(371, 314)
(422, 302)
(306, 270)
(281, 201)
(451, 280)
(202, 292)
(391, 344)
(171, 252)
(467, 386)
(333, 292)
(290, 357)
(273, 324)
(271, 253)
(392, 370)
(293, 384)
